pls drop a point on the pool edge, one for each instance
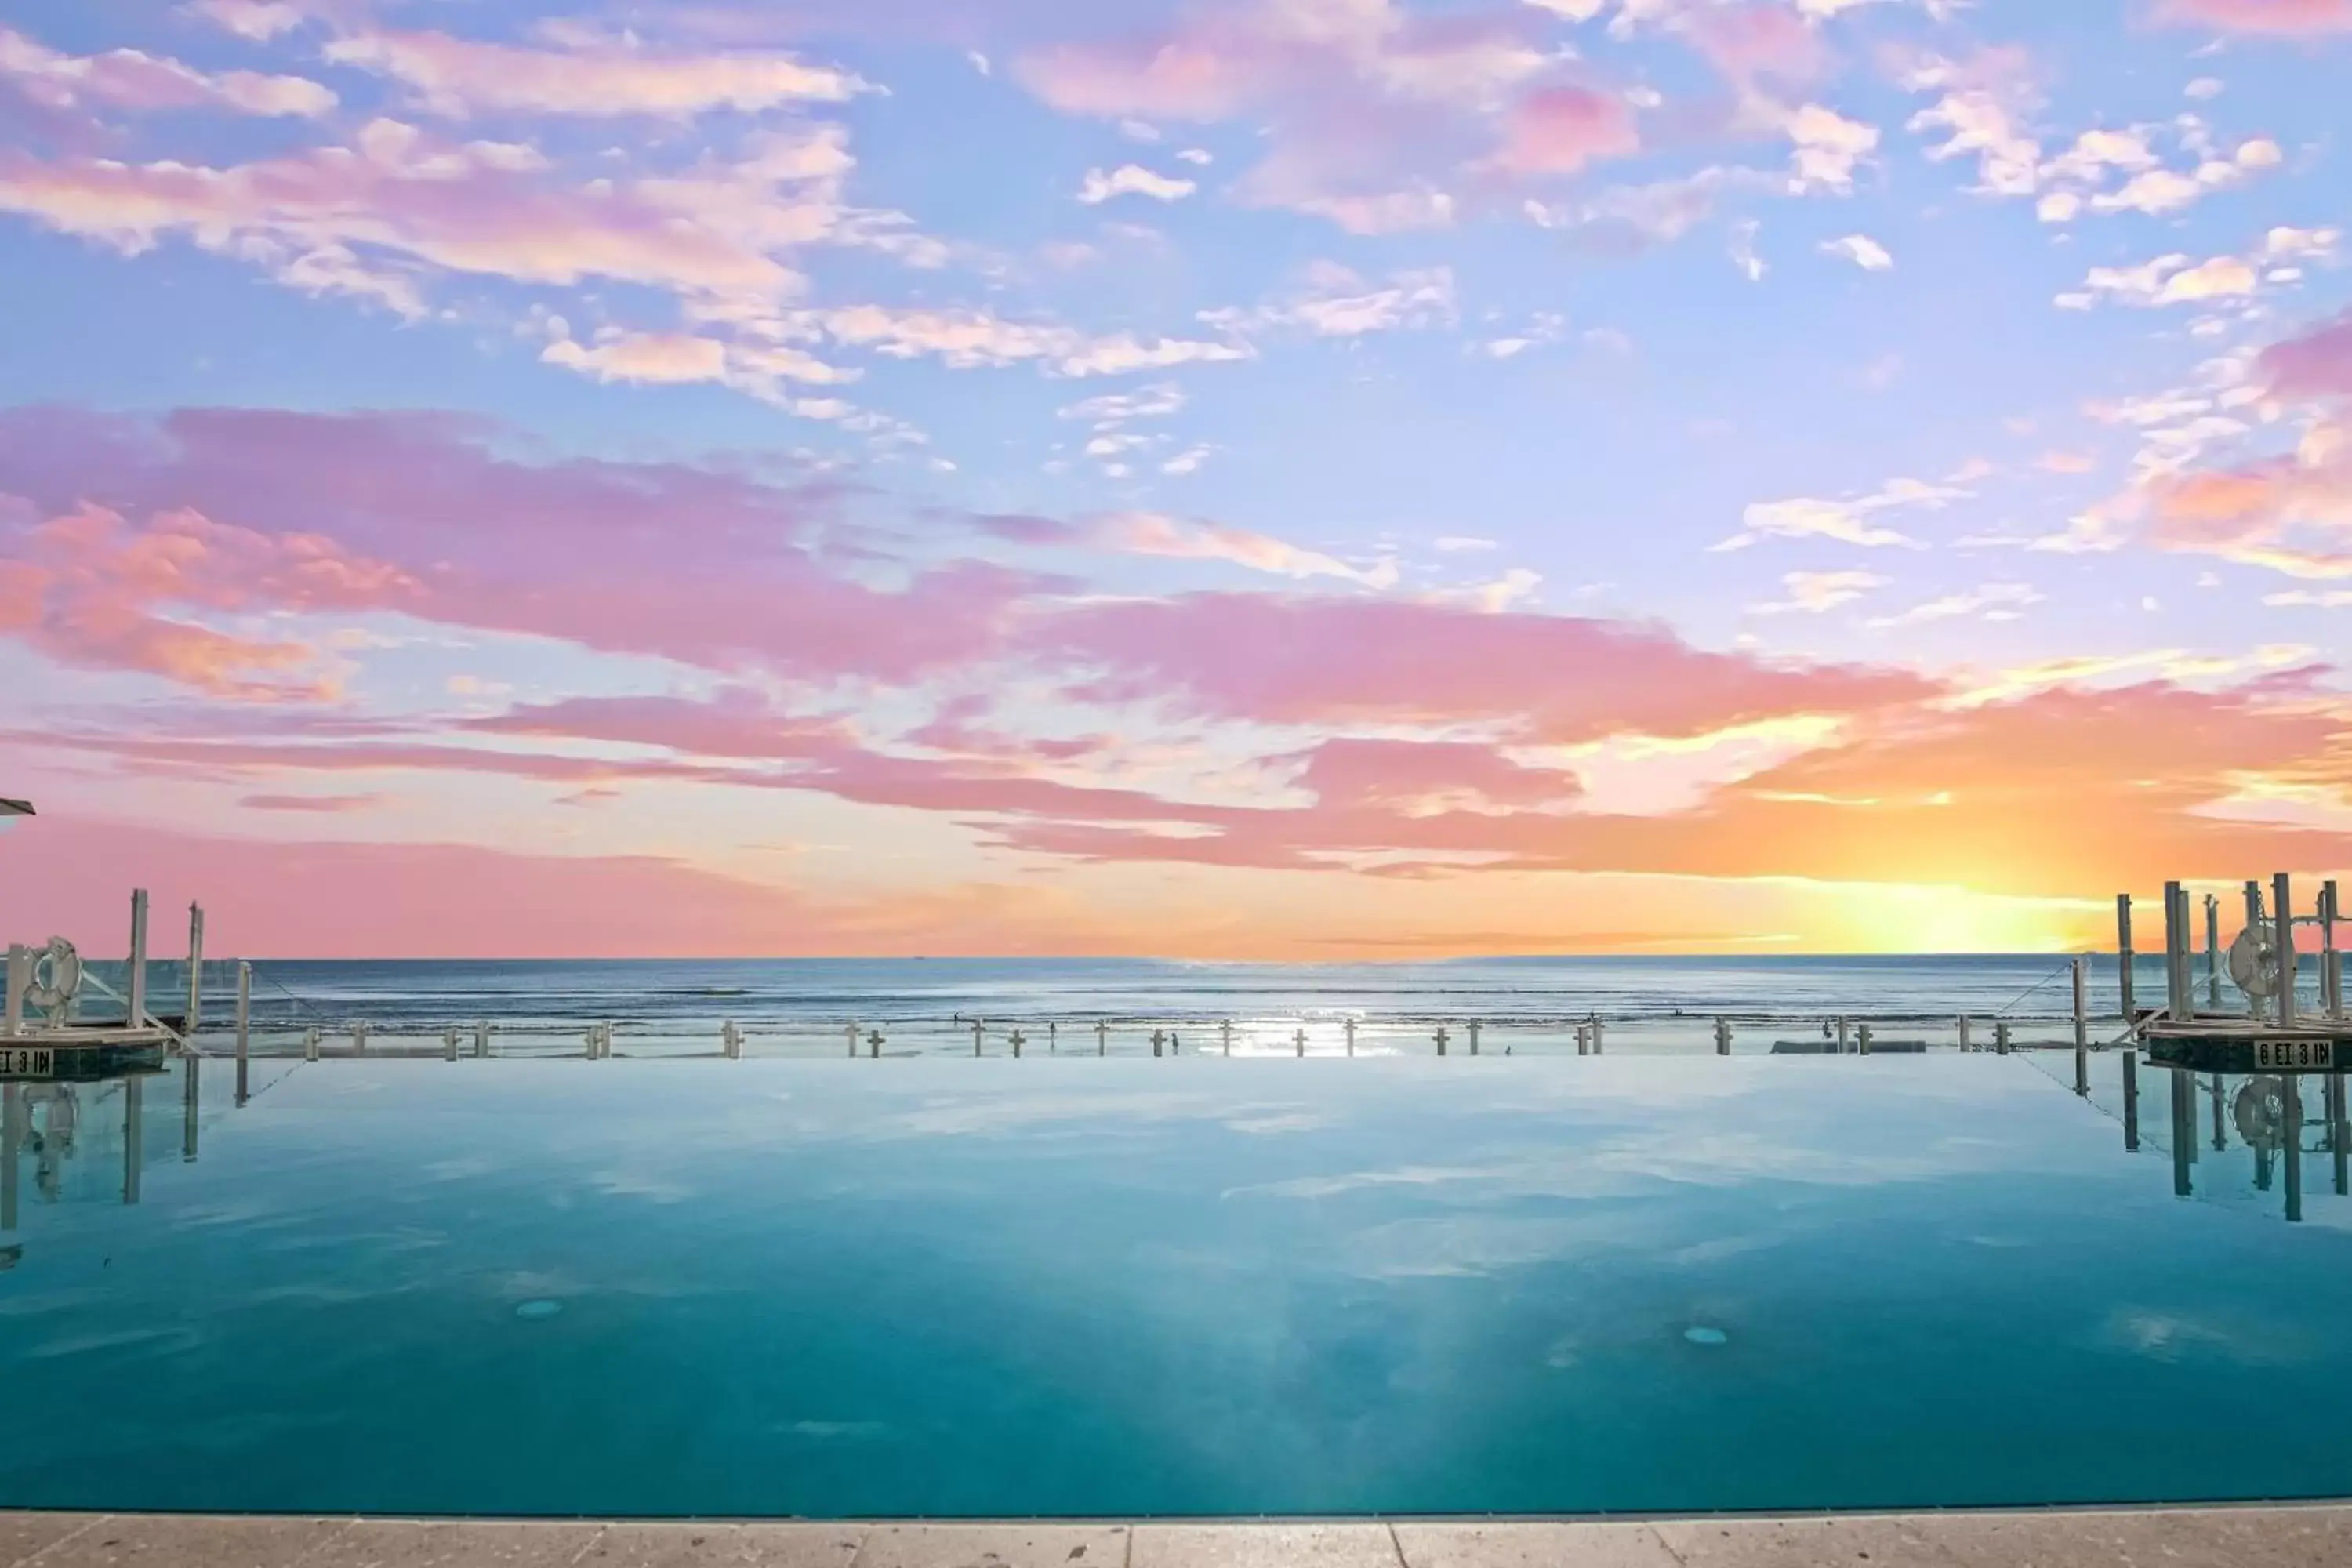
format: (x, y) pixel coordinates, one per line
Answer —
(2244, 1535)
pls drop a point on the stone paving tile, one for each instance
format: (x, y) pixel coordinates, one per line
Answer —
(185, 1541)
(414, 1543)
(995, 1546)
(1882, 1542)
(2283, 1537)
(23, 1534)
(1516, 1545)
(725, 1546)
(2171, 1538)
(1264, 1546)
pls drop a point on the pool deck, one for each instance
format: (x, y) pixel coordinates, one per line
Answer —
(2307, 1536)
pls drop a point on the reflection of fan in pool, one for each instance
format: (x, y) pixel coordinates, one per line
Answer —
(2253, 962)
(2260, 1111)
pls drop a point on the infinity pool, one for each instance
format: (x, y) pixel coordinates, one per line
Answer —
(1182, 1286)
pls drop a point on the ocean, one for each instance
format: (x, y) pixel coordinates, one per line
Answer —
(801, 1006)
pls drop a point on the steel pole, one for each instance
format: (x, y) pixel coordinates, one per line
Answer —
(2124, 955)
(2282, 936)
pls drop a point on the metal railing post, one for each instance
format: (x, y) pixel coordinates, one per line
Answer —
(2213, 949)
(2282, 935)
(135, 1002)
(2331, 970)
(20, 981)
(195, 972)
(2254, 924)
(2082, 1025)
(2124, 955)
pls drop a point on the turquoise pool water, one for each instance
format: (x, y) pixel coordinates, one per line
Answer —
(1183, 1287)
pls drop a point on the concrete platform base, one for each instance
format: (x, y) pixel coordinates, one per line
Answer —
(2316, 1536)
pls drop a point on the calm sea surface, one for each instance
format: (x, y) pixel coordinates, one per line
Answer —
(804, 1006)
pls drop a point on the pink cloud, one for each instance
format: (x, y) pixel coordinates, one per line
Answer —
(2318, 365)
(87, 589)
(1377, 111)
(1766, 42)
(458, 78)
(1322, 661)
(737, 723)
(2283, 18)
(1561, 130)
(248, 510)
(132, 80)
(321, 804)
(2290, 515)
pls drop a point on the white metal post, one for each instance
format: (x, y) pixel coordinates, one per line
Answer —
(2124, 955)
(2212, 950)
(20, 980)
(2283, 926)
(2176, 951)
(2254, 924)
(2331, 973)
(2082, 1025)
(1966, 1044)
(137, 1003)
(195, 970)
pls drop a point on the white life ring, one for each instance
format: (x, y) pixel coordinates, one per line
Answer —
(57, 976)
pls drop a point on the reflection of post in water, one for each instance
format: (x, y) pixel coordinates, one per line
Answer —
(12, 1144)
(2335, 1131)
(2290, 1133)
(189, 1066)
(132, 1126)
(2221, 1131)
(2184, 1129)
(2131, 1102)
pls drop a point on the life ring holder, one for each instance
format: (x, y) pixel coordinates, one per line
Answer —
(56, 979)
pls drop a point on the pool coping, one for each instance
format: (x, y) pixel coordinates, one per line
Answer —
(2305, 1534)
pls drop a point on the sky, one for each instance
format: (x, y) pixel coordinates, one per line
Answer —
(1300, 479)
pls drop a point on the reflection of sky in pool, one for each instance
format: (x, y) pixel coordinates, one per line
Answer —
(1182, 1286)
